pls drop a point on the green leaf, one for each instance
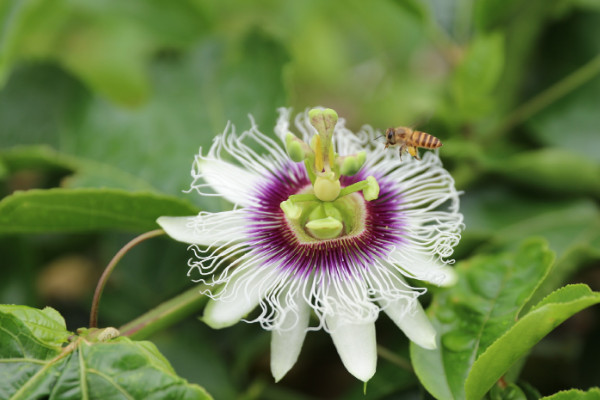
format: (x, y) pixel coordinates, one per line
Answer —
(47, 324)
(503, 218)
(109, 57)
(469, 317)
(76, 172)
(506, 217)
(196, 357)
(415, 8)
(195, 95)
(556, 170)
(14, 17)
(525, 333)
(77, 210)
(34, 364)
(571, 123)
(34, 102)
(587, 4)
(477, 75)
(108, 54)
(24, 356)
(492, 13)
(151, 147)
(592, 394)
(40, 157)
(104, 43)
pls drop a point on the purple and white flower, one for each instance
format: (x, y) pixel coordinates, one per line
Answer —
(332, 236)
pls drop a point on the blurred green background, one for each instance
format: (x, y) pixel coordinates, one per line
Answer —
(121, 94)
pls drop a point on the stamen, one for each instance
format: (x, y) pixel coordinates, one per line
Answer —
(369, 187)
(296, 148)
(350, 165)
(291, 210)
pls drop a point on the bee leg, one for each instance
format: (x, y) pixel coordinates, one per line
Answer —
(401, 150)
(414, 152)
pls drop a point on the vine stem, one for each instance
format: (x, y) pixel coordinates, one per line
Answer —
(531, 107)
(111, 266)
(166, 314)
(392, 357)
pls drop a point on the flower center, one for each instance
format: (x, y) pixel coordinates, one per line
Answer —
(326, 210)
(318, 220)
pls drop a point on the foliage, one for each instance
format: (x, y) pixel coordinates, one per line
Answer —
(72, 210)
(483, 329)
(103, 105)
(35, 363)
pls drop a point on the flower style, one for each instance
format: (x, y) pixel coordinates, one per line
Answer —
(331, 226)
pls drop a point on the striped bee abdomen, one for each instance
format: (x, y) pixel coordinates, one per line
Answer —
(425, 140)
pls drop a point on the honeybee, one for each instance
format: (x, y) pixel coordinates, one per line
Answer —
(409, 140)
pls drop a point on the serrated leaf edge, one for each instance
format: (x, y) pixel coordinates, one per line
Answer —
(594, 390)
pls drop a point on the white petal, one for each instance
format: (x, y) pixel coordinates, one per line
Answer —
(232, 182)
(410, 317)
(287, 341)
(356, 345)
(179, 228)
(418, 266)
(241, 295)
(206, 228)
(449, 277)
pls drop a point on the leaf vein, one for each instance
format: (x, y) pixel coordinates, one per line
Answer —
(111, 382)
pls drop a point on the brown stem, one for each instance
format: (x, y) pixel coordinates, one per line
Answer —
(109, 268)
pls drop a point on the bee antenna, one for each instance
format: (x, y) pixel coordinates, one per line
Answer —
(378, 137)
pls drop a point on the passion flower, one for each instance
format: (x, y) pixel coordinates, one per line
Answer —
(328, 226)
